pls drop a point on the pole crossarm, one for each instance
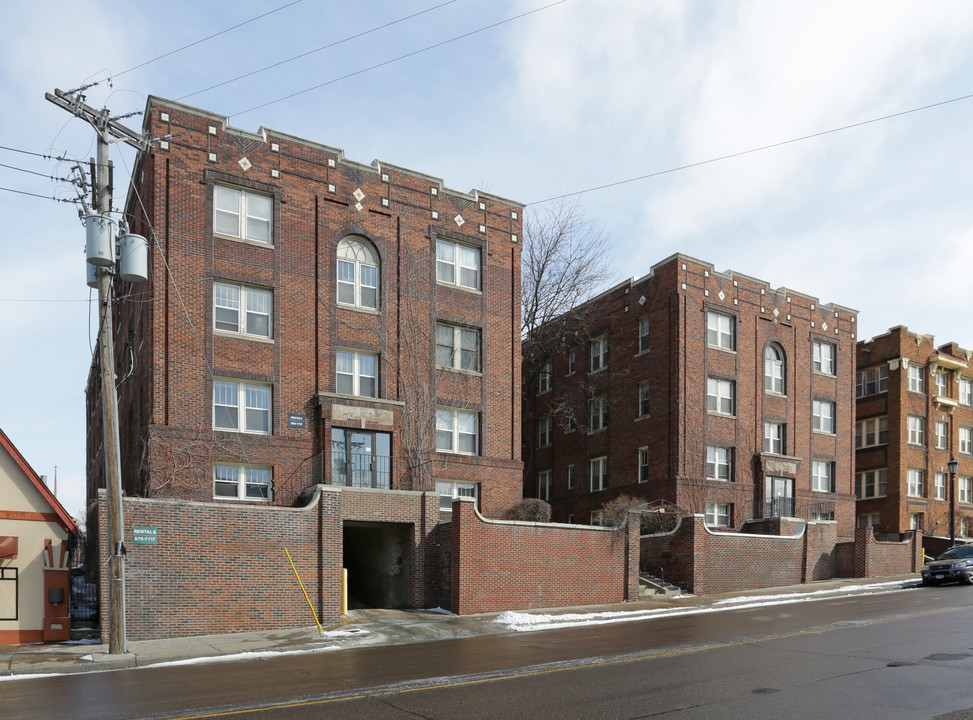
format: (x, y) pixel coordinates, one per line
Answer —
(99, 119)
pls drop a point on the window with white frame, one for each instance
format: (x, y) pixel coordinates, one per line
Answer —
(356, 373)
(964, 527)
(717, 514)
(241, 407)
(721, 331)
(597, 517)
(597, 413)
(458, 348)
(448, 490)
(871, 432)
(775, 438)
(916, 427)
(916, 480)
(572, 356)
(917, 378)
(569, 476)
(544, 376)
(719, 463)
(598, 473)
(942, 383)
(774, 369)
(643, 464)
(720, 396)
(966, 440)
(358, 279)
(544, 485)
(870, 483)
(241, 482)
(598, 353)
(822, 419)
(965, 487)
(457, 431)
(242, 214)
(822, 476)
(942, 435)
(824, 358)
(916, 520)
(544, 430)
(965, 392)
(644, 398)
(939, 486)
(871, 520)
(872, 381)
(457, 265)
(242, 310)
(643, 334)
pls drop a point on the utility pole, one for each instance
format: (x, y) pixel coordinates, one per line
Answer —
(106, 128)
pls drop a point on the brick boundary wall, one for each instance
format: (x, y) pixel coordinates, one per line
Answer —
(509, 565)
(869, 557)
(221, 567)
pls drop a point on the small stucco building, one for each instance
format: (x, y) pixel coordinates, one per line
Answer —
(35, 533)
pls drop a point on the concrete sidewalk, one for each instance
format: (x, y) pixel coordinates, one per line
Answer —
(363, 628)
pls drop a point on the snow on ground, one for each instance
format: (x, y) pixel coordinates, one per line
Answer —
(529, 622)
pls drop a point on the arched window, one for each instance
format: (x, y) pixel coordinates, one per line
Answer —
(357, 273)
(774, 376)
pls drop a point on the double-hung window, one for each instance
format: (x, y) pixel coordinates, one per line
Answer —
(917, 378)
(598, 354)
(942, 435)
(242, 310)
(824, 354)
(544, 428)
(822, 476)
(457, 265)
(241, 482)
(644, 398)
(457, 431)
(942, 383)
(448, 490)
(544, 485)
(966, 440)
(242, 214)
(965, 487)
(241, 407)
(544, 376)
(643, 464)
(774, 370)
(720, 396)
(356, 373)
(358, 282)
(597, 413)
(822, 419)
(598, 473)
(872, 381)
(871, 432)
(717, 514)
(965, 392)
(721, 331)
(939, 486)
(569, 479)
(458, 347)
(643, 334)
(719, 463)
(775, 438)
(870, 483)
(916, 427)
(916, 480)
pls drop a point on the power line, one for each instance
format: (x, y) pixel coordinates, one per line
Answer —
(44, 197)
(400, 57)
(208, 37)
(822, 133)
(34, 172)
(28, 152)
(316, 50)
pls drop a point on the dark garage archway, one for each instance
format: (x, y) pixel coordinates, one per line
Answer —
(378, 557)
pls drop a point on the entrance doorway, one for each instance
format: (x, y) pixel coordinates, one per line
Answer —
(779, 496)
(378, 557)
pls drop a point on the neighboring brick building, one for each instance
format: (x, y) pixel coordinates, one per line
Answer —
(914, 413)
(307, 320)
(710, 390)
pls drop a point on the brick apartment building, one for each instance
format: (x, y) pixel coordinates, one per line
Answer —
(706, 389)
(914, 413)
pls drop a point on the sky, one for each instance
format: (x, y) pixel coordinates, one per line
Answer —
(529, 100)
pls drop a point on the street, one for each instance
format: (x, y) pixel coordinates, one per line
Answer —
(904, 654)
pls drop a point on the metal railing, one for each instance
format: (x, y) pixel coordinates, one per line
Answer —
(361, 470)
(779, 507)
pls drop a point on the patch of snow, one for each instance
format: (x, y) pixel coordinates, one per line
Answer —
(350, 632)
(89, 658)
(440, 610)
(263, 655)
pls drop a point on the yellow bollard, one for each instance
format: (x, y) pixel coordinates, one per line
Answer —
(320, 629)
(344, 591)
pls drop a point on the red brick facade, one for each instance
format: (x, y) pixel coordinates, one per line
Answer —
(657, 388)
(914, 413)
(296, 206)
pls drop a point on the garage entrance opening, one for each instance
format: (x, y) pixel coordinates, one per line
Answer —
(378, 557)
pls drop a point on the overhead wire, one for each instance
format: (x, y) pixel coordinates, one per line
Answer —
(34, 172)
(319, 49)
(750, 151)
(400, 57)
(202, 40)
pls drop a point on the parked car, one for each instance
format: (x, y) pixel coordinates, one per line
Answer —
(954, 565)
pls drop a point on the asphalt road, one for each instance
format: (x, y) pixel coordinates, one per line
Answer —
(906, 654)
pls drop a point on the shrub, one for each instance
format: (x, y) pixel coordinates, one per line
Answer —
(530, 510)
